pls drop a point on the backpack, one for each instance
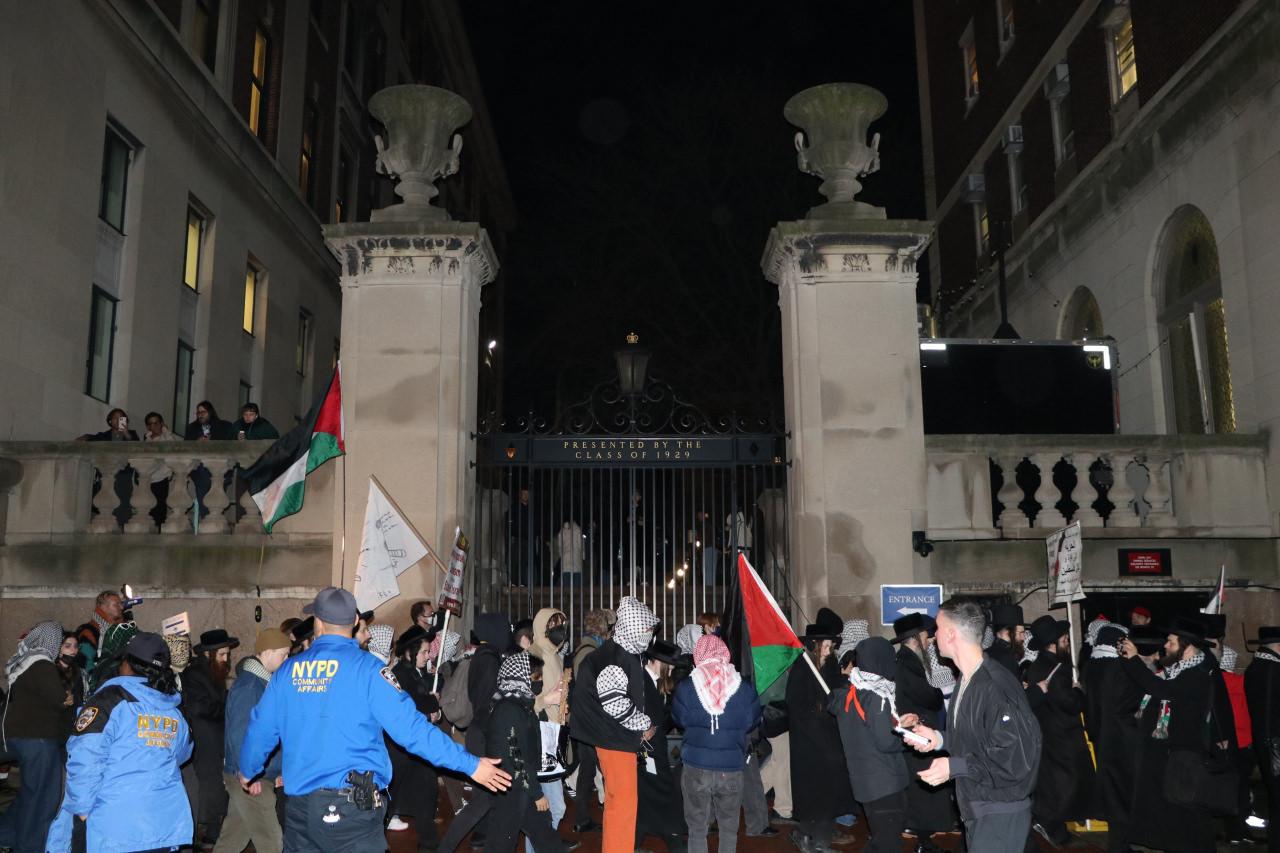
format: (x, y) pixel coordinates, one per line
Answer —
(454, 701)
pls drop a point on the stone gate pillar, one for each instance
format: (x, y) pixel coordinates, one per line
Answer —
(851, 368)
(411, 281)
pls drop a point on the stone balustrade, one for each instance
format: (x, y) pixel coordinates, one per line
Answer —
(135, 489)
(1123, 486)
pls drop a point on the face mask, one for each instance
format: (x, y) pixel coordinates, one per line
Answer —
(646, 639)
(557, 636)
(68, 660)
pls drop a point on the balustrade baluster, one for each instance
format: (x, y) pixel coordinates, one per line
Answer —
(1158, 496)
(1048, 494)
(1084, 493)
(216, 501)
(181, 495)
(1010, 495)
(143, 500)
(1121, 495)
(106, 500)
(251, 522)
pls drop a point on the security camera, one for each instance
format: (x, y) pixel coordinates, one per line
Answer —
(920, 543)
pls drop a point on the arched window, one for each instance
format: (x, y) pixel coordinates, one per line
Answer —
(1194, 320)
(1082, 317)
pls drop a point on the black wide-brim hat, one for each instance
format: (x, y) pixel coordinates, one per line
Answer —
(908, 626)
(1006, 616)
(668, 653)
(1046, 630)
(410, 636)
(1267, 634)
(1215, 625)
(1190, 628)
(218, 638)
(828, 627)
(1148, 639)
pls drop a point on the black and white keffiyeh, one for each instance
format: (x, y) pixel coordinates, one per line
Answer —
(938, 674)
(43, 642)
(1172, 671)
(853, 632)
(514, 678)
(635, 624)
(1266, 655)
(1091, 631)
(880, 686)
(687, 638)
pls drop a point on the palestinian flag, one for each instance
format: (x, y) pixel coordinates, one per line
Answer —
(760, 637)
(277, 481)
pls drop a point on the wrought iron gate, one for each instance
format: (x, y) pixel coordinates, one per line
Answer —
(628, 494)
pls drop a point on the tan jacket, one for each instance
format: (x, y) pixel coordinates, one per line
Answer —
(552, 667)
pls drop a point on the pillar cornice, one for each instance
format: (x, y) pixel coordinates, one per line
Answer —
(413, 252)
(847, 251)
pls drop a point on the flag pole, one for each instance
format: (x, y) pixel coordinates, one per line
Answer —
(814, 669)
(444, 636)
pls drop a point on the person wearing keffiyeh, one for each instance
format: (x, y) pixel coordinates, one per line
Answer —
(608, 702)
(866, 714)
(1171, 718)
(33, 733)
(717, 710)
(513, 735)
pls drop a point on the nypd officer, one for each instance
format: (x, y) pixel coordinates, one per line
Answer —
(328, 707)
(124, 790)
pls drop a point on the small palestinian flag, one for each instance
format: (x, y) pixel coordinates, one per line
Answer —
(277, 481)
(768, 645)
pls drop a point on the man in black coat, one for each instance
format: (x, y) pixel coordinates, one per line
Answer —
(1111, 701)
(928, 808)
(1007, 627)
(204, 704)
(1262, 692)
(1064, 785)
(1174, 708)
(993, 739)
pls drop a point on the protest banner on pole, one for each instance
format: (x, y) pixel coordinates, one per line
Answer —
(451, 593)
(388, 547)
(1064, 551)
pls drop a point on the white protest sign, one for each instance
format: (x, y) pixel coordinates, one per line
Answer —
(178, 624)
(1065, 558)
(451, 593)
(388, 547)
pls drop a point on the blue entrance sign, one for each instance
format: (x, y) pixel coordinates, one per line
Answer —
(898, 600)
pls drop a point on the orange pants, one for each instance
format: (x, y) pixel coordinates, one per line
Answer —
(621, 797)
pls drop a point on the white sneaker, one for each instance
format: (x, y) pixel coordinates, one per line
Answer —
(396, 824)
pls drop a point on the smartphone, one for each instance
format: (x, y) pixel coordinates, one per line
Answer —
(907, 734)
(241, 435)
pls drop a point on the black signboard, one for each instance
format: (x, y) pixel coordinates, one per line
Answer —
(604, 451)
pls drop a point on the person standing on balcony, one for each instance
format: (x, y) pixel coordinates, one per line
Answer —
(33, 731)
(208, 426)
(252, 426)
(118, 429)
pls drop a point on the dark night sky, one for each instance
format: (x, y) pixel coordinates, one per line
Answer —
(648, 158)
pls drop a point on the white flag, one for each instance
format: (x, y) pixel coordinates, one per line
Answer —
(388, 547)
(1219, 595)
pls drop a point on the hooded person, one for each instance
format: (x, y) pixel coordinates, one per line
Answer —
(381, 638)
(123, 787)
(866, 714)
(1064, 784)
(513, 736)
(853, 631)
(687, 638)
(550, 637)
(717, 711)
(492, 633)
(1111, 703)
(33, 732)
(929, 808)
(820, 790)
(608, 703)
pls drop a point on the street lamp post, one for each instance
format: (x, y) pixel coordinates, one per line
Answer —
(632, 362)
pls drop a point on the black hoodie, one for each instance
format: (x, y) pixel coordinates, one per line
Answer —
(493, 632)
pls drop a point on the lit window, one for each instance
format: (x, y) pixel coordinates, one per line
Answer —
(250, 296)
(306, 166)
(258, 84)
(204, 32)
(116, 154)
(1004, 9)
(981, 229)
(195, 237)
(302, 353)
(1124, 60)
(969, 53)
(102, 339)
(182, 385)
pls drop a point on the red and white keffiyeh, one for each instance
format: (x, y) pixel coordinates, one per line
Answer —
(714, 677)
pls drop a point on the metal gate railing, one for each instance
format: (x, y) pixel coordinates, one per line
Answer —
(575, 517)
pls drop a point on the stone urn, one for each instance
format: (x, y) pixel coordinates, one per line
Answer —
(419, 121)
(835, 118)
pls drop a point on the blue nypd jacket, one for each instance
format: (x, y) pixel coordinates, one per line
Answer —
(328, 708)
(122, 771)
